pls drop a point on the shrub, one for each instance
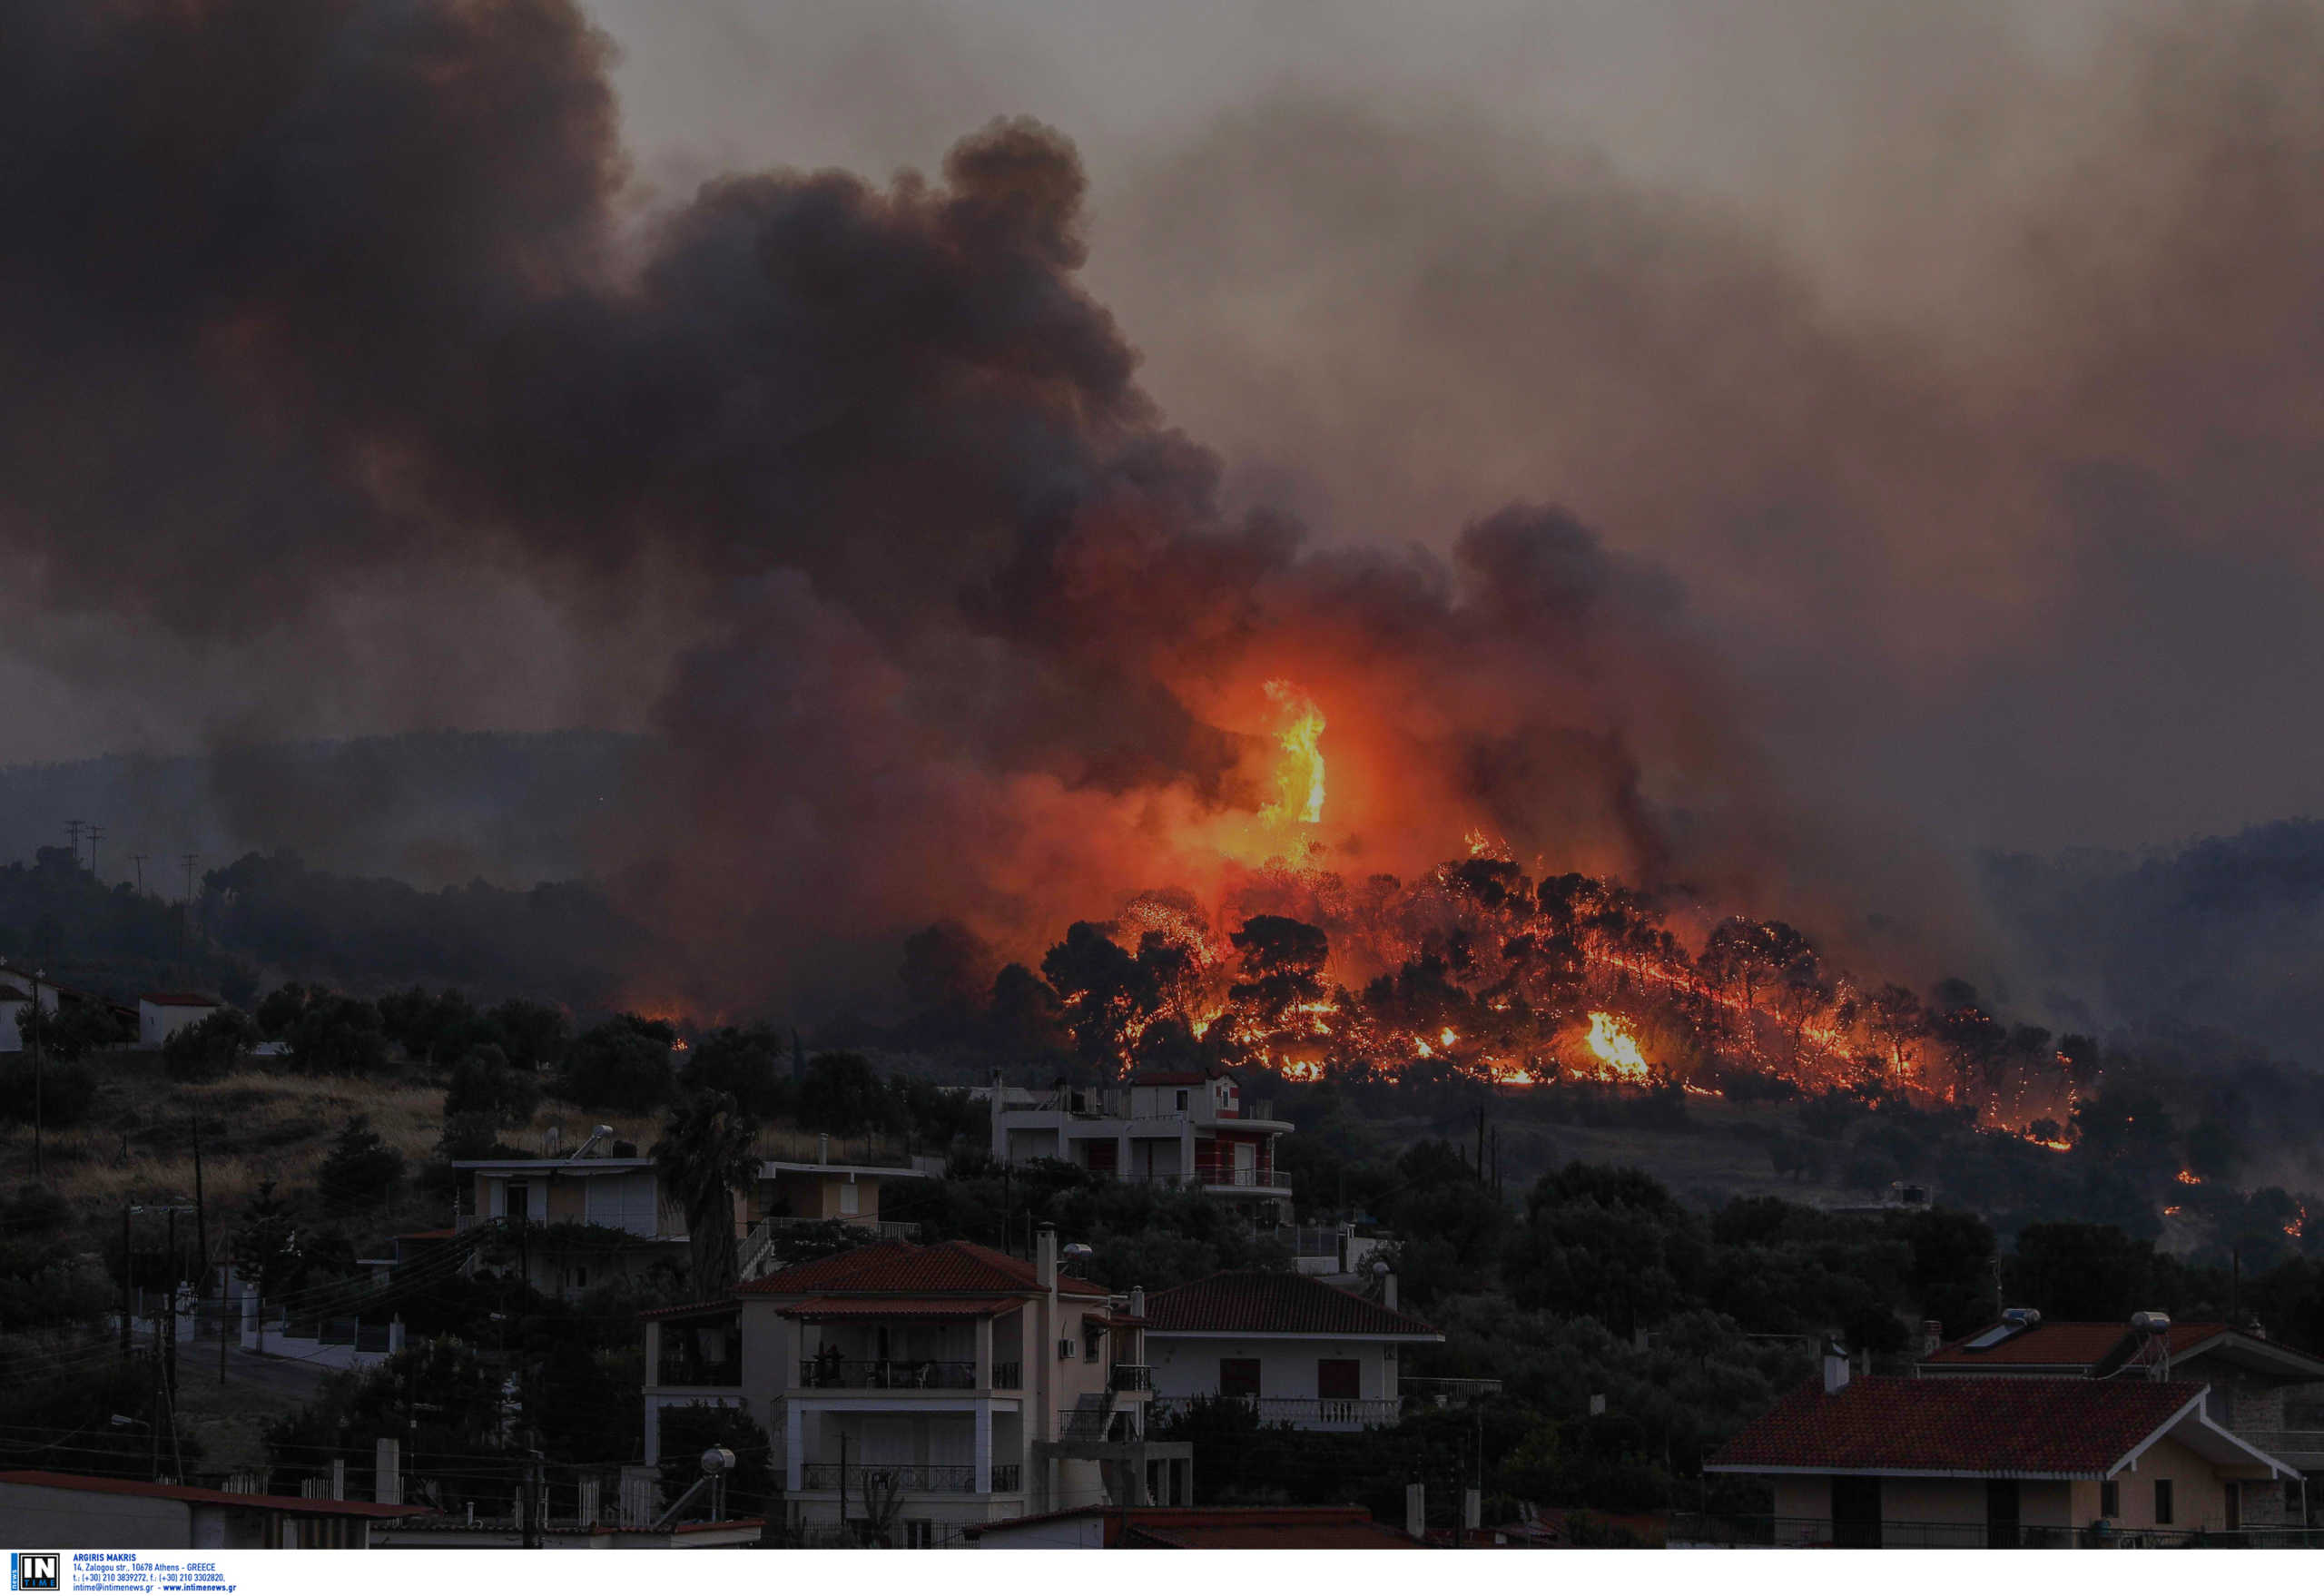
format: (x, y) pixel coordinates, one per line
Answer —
(361, 1168)
(209, 1047)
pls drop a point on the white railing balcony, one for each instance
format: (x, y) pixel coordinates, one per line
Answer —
(1305, 1413)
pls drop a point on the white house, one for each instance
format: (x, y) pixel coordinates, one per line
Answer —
(1300, 1351)
(17, 990)
(1189, 1128)
(161, 1015)
(912, 1390)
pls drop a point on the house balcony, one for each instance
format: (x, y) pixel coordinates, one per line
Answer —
(861, 1480)
(697, 1373)
(1131, 1377)
(897, 1374)
(1304, 1412)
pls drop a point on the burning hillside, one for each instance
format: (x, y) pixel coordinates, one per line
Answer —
(1478, 968)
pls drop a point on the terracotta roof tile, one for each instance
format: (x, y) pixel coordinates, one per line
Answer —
(1260, 1304)
(103, 1485)
(901, 1268)
(902, 1307)
(2006, 1425)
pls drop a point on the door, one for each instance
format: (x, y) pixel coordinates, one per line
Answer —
(1855, 1510)
(1247, 1164)
(2001, 1513)
(1239, 1377)
(2234, 1504)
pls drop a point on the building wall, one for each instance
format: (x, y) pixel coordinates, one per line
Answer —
(41, 1516)
(1189, 1365)
(157, 1023)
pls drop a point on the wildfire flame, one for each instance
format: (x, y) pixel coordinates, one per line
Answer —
(2189, 1178)
(1617, 1049)
(1300, 777)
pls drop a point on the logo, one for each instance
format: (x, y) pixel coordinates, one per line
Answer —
(32, 1571)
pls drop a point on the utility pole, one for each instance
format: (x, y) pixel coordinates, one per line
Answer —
(139, 861)
(185, 918)
(125, 1272)
(40, 1154)
(72, 830)
(96, 835)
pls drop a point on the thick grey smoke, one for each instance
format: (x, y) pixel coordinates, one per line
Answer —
(355, 383)
(313, 302)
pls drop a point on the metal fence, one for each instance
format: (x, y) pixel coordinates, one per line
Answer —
(888, 1374)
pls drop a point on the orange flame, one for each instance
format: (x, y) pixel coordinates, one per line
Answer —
(1617, 1049)
(2189, 1178)
(1300, 778)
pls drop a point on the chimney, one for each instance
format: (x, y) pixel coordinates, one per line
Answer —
(824, 1147)
(1388, 1289)
(387, 1471)
(1836, 1368)
(1137, 1302)
(1045, 1259)
(1932, 1336)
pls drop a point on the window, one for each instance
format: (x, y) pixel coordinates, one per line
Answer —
(1092, 1342)
(580, 1278)
(2234, 1504)
(1339, 1379)
(1182, 1102)
(519, 1203)
(1238, 1377)
(2110, 1498)
(2163, 1502)
(851, 1200)
(920, 1533)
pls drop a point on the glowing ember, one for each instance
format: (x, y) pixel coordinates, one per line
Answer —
(1506, 1074)
(1300, 777)
(2055, 1144)
(2189, 1178)
(1616, 1048)
(2298, 1228)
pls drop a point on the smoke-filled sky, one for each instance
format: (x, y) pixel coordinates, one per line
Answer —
(1779, 446)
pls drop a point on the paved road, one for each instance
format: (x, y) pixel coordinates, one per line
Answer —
(291, 1377)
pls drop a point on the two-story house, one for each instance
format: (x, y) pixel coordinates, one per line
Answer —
(2271, 1394)
(909, 1391)
(1298, 1350)
(623, 1196)
(1986, 1461)
(1190, 1129)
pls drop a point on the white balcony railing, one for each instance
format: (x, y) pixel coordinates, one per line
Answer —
(1305, 1413)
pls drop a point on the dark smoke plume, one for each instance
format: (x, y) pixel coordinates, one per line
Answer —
(307, 299)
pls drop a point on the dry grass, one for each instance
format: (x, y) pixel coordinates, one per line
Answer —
(137, 1143)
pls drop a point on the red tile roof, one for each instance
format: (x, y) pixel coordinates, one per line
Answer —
(2062, 1345)
(2004, 1426)
(101, 1485)
(900, 1268)
(1259, 1304)
(827, 1308)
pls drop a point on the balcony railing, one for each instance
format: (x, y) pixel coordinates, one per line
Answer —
(1212, 1175)
(862, 1479)
(1133, 1377)
(888, 1374)
(1094, 1423)
(1307, 1412)
(722, 1373)
(1695, 1529)
(1007, 1376)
